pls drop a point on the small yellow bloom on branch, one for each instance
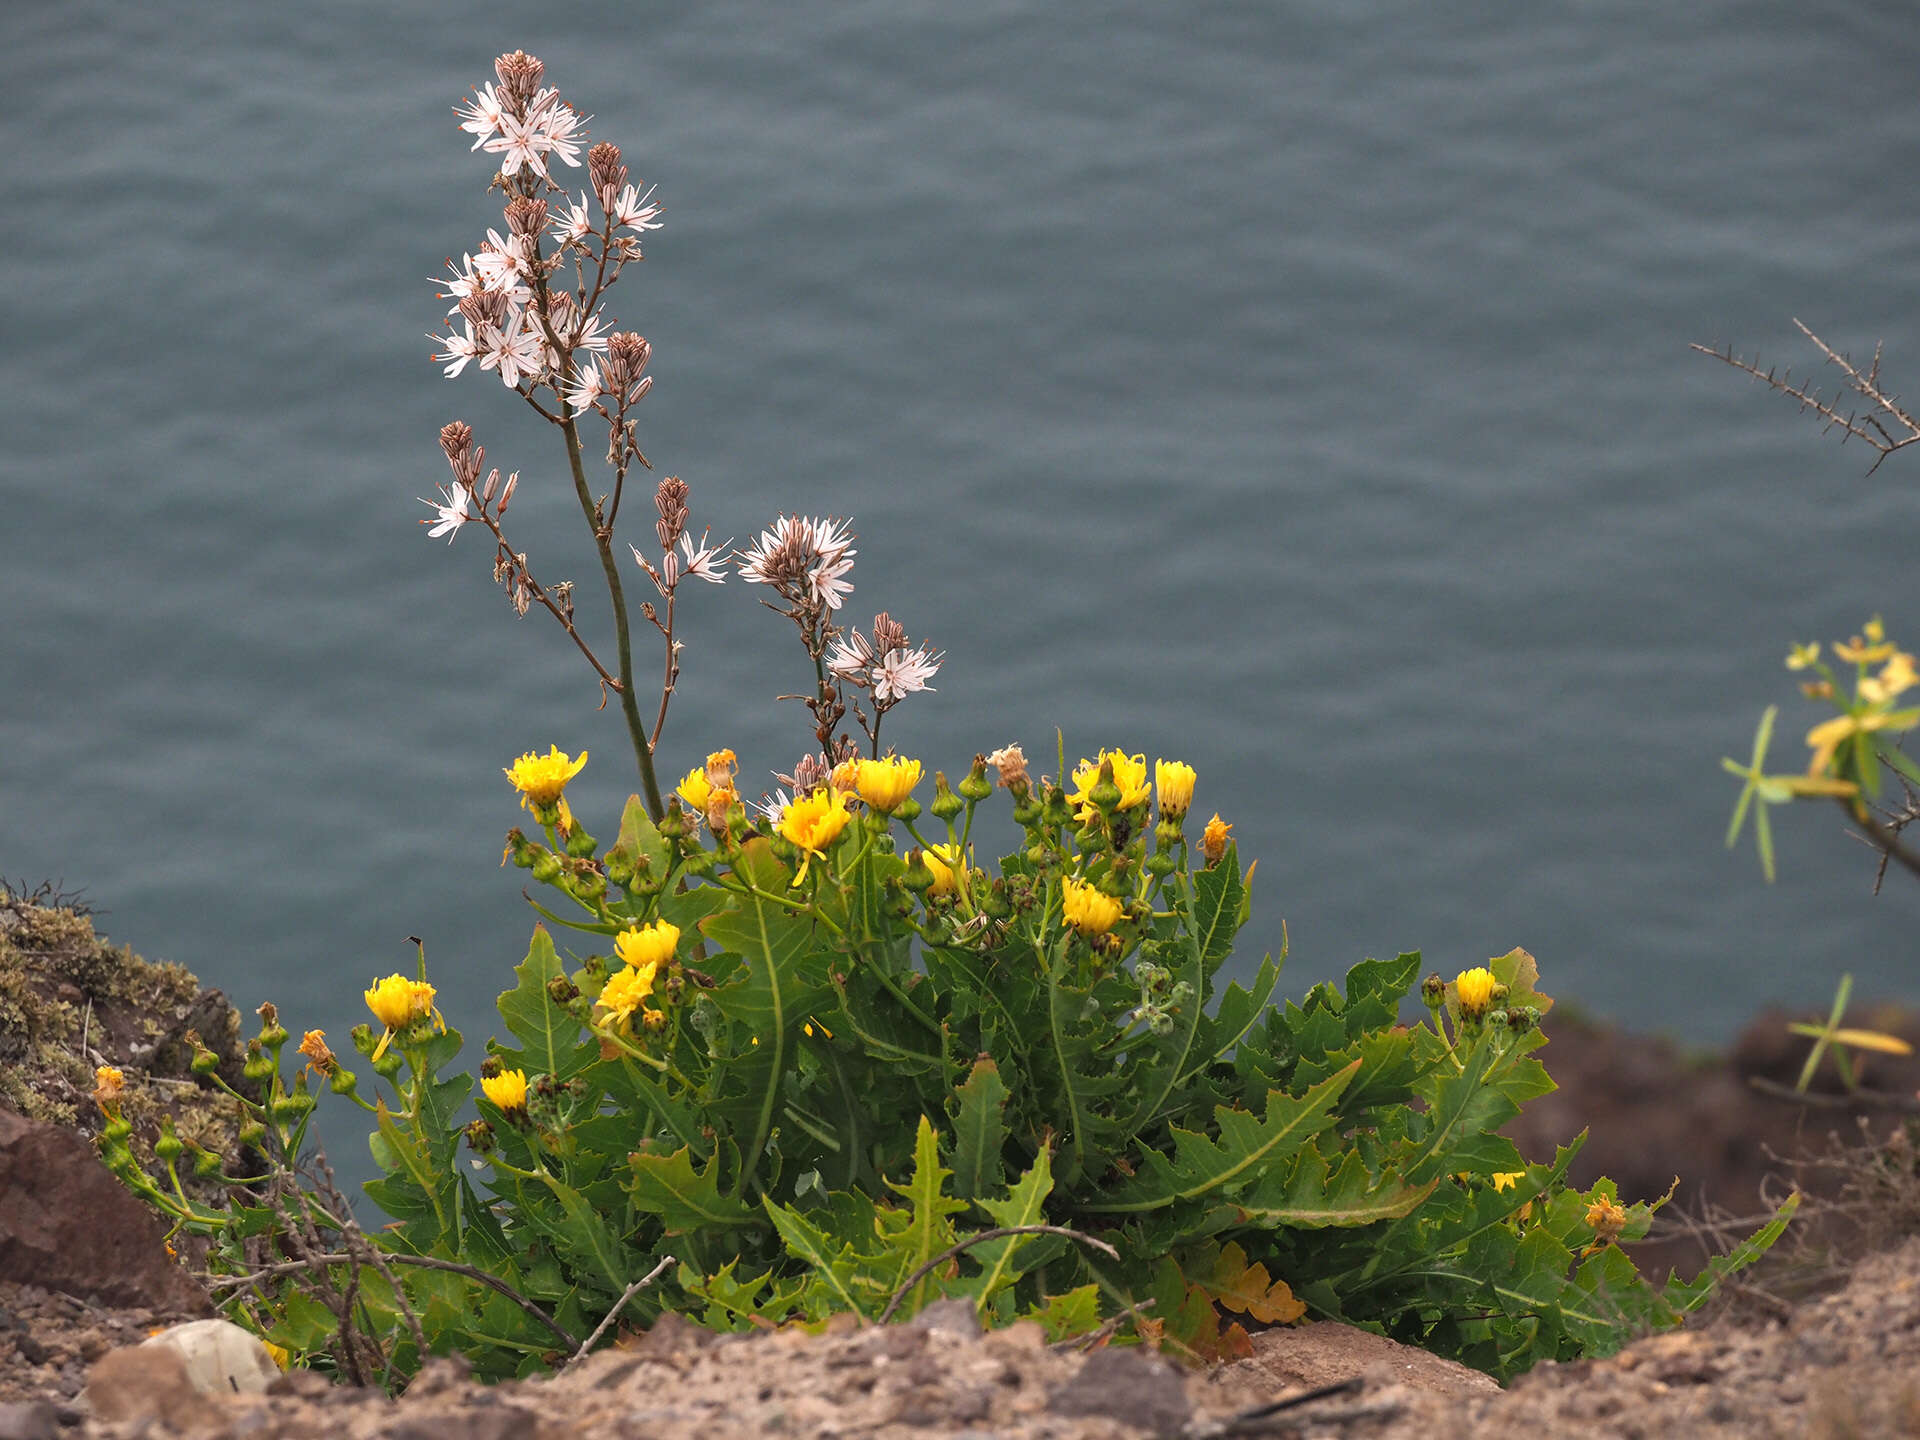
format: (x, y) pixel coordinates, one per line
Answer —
(1474, 989)
(885, 784)
(1087, 910)
(651, 945)
(507, 1090)
(1129, 776)
(540, 779)
(813, 822)
(1213, 840)
(397, 1003)
(1174, 780)
(108, 1086)
(625, 992)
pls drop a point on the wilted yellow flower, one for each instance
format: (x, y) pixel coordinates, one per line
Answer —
(813, 822)
(885, 784)
(1607, 1220)
(1087, 910)
(1213, 840)
(1801, 656)
(1174, 780)
(507, 1090)
(397, 1002)
(647, 945)
(1895, 678)
(846, 775)
(320, 1058)
(108, 1085)
(541, 778)
(1475, 990)
(1129, 774)
(944, 861)
(622, 995)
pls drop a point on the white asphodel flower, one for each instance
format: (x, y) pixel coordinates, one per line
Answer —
(551, 127)
(903, 672)
(456, 349)
(829, 588)
(515, 351)
(774, 806)
(585, 389)
(468, 275)
(632, 210)
(481, 116)
(573, 223)
(450, 511)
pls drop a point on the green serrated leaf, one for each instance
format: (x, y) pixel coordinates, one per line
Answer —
(684, 1198)
(1025, 1205)
(1248, 1149)
(638, 837)
(924, 1230)
(980, 1131)
(1077, 1312)
(1315, 1194)
(549, 1037)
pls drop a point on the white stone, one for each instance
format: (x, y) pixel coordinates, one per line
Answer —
(221, 1358)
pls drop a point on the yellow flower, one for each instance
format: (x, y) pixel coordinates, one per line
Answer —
(650, 945)
(623, 994)
(1506, 1179)
(397, 1002)
(885, 784)
(1802, 656)
(320, 1058)
(507, 1090)
(695, 790)
(846, 775)
(1826, 739)
(1475, 990)
(1869, 651)
(1213, 840)
(1607, 1220)
(949, 868)
(279, 1354)
(108, 1085)
(1174, 780)
(541, 778)
(813, 822)
(1087, 910)
(1895, 678)
(1129, 774)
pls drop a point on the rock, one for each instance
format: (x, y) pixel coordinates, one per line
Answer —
(150, 1383)
(221, 1358)
(35, 1420)
(66, 1224)
(1327, 1352)
(1129, 1385)
(955, 1315)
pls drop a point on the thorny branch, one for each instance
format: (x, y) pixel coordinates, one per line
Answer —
(1870, 425)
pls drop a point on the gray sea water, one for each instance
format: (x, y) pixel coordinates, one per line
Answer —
(1302, 391)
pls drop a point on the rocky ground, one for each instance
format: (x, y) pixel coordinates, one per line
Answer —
(1819, 1345)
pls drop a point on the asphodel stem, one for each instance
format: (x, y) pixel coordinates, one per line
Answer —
(622, 634)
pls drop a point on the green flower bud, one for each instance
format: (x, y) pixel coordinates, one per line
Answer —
(480, 1137)
(1025, 813)
(260, 1067)
(1500, 995)
(586, 886)
(1160, 863)
(289, 1108)
(560, 990)
(205, 1062)
(619, 872)
(918, 877)
(116, 1131)
(168, 1147)
(1090, 838)
(946, 804)
(1520, 1021)
(520, 850)
(1181, 995)
(342, 1081)
(580, 844)
(976, 787)
(908, 810)
(1433, 990)
(390, 1064)
(546, 866)
(673, 824)
(996, 905)
(206, 1164)
(252, 1132)
(701, 861)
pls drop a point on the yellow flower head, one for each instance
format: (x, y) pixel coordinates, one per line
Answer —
(1088, 911)
(108, 1085)
(623, 994)
(1129, 774)
(813, 822)
(397, 1002)
(1475, 990)
(1869, 649)
(846, 775)
(279, 1354)
(541, 778)
(1174, 780)
(1506, 1179)
(649, 945)
(709, 789)
(885, 784)
(320, 1058)
(695, 790)
(1896, 677)
(507, 1090)
(1607, 1220)
(1801, 656)
(949, 868)
(1213, 840)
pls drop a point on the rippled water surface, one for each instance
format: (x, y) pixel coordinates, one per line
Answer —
(1301, 391)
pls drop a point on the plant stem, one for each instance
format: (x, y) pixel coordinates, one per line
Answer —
(622, 635)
